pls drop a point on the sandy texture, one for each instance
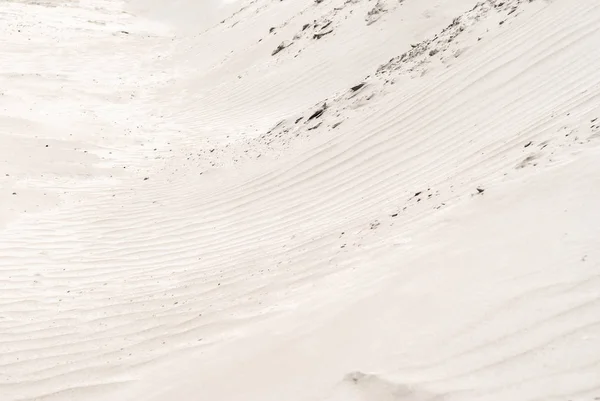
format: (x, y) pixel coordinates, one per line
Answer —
(335, 200)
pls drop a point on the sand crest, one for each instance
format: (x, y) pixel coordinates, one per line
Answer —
(334, 200)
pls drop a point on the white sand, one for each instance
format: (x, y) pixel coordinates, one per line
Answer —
(171, 230)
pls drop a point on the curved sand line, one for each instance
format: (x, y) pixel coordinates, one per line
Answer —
(406, 190)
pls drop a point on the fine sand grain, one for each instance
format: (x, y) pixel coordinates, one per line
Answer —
(331, 200)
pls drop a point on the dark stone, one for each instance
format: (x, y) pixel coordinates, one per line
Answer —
(315, 126)
(357, 87)
(321, 34)
(318, 113)
(281, 46)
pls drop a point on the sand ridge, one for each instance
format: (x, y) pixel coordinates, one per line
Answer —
(398, 204)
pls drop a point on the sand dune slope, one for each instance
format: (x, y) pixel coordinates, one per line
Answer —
(311, 200)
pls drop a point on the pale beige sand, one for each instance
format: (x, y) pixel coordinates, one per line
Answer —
(175, 226)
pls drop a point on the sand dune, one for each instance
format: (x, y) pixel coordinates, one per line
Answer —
(313, 200)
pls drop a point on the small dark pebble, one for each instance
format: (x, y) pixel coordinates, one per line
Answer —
(318, 113)
(321, 34)
(357, 87)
